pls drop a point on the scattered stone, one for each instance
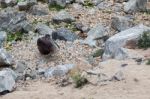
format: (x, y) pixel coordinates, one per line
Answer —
(61, 3)
(3, 37)
(7, 80)
(139, 61)
(94, 34)
(114, 45)
(43, 29)
(20, 67)
(29, 74)
(63, 82)
(63, 16)
(31, 3)
(104, 6)
(135, 5)
(7, 3)
(37, 10)
(124, 65)
(82, 28)
(117, 7)
(59, 70)
(121, 23)
(118, 76)
(64, 34)
(12, 21)
(5, 58)
(22, 5)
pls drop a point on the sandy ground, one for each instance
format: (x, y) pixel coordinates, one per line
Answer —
(135, 86)
(137, 77)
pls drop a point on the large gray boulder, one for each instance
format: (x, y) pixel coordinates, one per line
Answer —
(12, 21)
(3, 37)
(114, 46)
(95, 33)
(135, 5)
(5, 58)
(7, 80)
(63, 16)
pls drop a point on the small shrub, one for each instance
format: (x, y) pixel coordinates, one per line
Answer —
(55, 7)
(88, 3)
(148, 62)
(14, 36)
(144, 41)
(98, 53)
(79, 80)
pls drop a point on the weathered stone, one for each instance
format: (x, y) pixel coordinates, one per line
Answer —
(121, 23)
(95, 33)
(118, 76)
(20, 67)
(114, 46)
(7, 80)
(60, 70)
(61, 3)
(64, 34)
(5, 58)
(63, 16)
(22, 5)
(135, 5)
(7, 3)
(104, 5)
(37, 10)
(43, 29)
(12, 20)
(3, 36)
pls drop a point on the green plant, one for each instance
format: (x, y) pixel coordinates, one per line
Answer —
(79, 80)
(148, 62)
(14, 36)
(144, 41)
(88, 3)
(55, 7)
(98, 53)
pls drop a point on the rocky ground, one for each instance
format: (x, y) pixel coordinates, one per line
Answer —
(97, 41)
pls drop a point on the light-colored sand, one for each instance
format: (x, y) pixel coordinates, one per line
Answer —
(135, 86)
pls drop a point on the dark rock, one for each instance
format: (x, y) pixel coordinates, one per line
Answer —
(61, 3)
(64, 34)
